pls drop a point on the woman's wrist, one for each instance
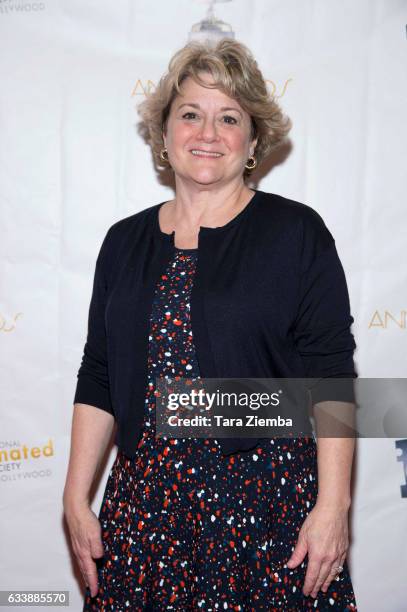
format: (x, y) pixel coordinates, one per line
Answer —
(74, 502)
(334, 503)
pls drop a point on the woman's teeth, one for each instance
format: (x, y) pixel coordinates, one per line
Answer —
(205, 153)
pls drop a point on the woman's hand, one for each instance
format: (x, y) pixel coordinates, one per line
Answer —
(86, 538)
(324, 536)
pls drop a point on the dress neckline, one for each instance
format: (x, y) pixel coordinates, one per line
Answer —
(203, 229)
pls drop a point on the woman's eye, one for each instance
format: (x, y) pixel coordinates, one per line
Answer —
(226, 118)
(233, 120)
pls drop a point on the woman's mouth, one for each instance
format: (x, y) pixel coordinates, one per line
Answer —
(200, 153)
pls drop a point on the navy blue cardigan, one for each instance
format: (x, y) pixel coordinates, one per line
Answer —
(269, 300)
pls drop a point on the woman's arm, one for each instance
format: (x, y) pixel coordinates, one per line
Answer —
(92, 425)
(335, 456)
(91, 432)
(335, 452)
(326, 344)
(324, 534)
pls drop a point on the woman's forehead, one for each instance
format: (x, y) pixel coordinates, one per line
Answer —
(193, 92)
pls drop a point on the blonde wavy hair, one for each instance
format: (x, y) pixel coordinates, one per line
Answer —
(235, 72)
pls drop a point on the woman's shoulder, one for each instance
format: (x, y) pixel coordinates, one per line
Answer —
(286, 209)
(131, 225)
(295, 218)
(125, 231)
(133, 220)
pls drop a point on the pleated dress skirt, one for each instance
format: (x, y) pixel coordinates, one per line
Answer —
(185, 528)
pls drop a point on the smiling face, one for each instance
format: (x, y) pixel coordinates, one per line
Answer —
(207, 135)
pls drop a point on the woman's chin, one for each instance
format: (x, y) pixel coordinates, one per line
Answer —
(206, 177)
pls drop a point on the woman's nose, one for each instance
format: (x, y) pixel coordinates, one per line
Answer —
(208, 131)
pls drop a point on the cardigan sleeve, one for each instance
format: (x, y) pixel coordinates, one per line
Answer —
(322, 331)
(92, 378)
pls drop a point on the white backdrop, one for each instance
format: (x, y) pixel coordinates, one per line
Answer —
(72, 162)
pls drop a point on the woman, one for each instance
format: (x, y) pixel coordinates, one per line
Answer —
(221, 281)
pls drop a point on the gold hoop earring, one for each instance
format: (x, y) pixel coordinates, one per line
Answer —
(253, 163)
(164, 154)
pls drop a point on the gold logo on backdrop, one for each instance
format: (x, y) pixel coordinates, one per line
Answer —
(386, 319)
(4, 326)
(142, 88)
(24, 452)
(274, 88)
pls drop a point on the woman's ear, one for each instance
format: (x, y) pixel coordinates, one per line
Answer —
(253, 146)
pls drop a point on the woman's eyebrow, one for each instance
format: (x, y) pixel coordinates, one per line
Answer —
(224, 108)
(231, 108)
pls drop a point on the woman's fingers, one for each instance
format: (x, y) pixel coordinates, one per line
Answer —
(83, 572)
(313, 571)
(87, 566)
(333, 574)
(91, 575)
(324, 574)
(320, 572)
(85, 530)
(96, 551)
(326, 534)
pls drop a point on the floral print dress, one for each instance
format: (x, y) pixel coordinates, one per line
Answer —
(185, 528)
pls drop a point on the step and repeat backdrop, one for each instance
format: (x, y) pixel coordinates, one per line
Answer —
(73, 161)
